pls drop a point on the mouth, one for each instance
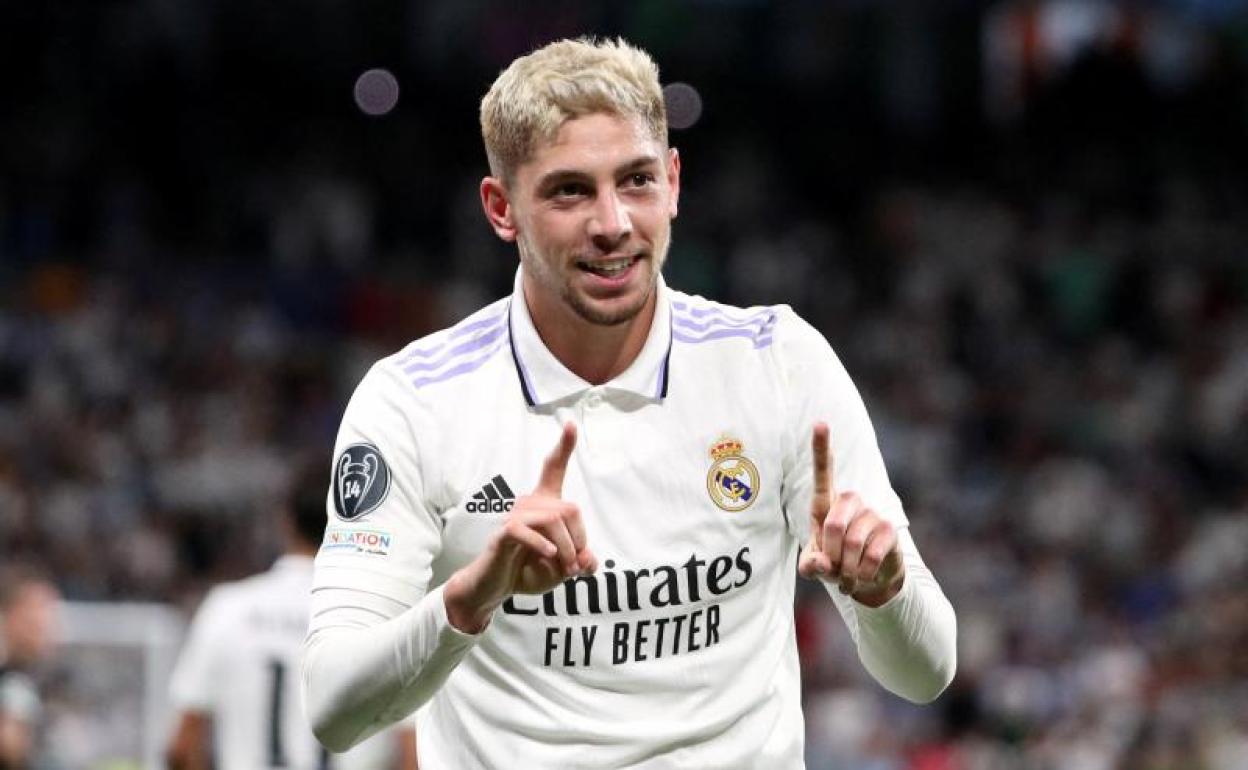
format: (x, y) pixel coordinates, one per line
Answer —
(609, 268)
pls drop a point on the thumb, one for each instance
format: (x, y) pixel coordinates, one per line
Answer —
(556, 465)
(813, 562)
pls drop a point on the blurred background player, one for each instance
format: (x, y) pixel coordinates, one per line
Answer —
(236, 680)
(28, 634)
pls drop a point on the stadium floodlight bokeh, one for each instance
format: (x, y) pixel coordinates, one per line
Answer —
(684, 105)
(376, 92)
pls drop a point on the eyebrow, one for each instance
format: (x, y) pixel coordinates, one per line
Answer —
(562, 174)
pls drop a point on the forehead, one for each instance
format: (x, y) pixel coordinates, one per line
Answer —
(593, 142)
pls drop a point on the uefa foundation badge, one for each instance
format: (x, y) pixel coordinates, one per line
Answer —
(732, 480)
(361, 481)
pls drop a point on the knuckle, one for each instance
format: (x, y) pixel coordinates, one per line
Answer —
(836, 521)
(537, 518)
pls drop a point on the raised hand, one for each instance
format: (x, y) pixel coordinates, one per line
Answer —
(541, 544)
(544, 532)
(849, 542)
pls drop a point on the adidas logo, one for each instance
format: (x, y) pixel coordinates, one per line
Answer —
(494, 497)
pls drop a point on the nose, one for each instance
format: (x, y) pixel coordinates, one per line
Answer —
(610, 225)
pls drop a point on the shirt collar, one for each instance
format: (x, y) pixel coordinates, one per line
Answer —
(544, 379)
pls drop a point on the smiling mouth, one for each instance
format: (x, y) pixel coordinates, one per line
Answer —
(608, 268)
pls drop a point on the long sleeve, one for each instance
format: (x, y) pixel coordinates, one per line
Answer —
(909, 645)
(379, 643)
(359, 678)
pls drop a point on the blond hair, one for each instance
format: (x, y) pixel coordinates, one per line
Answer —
(532, 98)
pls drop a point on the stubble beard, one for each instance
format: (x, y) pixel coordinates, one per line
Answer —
(550, 278)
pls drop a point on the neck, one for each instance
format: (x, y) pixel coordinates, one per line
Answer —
(300, 548)
(593, 352)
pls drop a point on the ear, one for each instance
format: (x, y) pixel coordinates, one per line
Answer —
(673, 181)
(498, 208)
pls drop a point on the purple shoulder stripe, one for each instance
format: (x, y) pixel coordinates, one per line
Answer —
(464, 328)
(709, 323)
(464, 367)
(414, 352)
(698, 311)
(714, 323)
(471, 345)
(727, 311)
(760, 340)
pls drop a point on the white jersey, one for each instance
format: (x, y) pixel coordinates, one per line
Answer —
(240, 666)
(693, 473)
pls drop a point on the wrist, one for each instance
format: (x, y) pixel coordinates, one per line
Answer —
(877, 596)
(466, 613)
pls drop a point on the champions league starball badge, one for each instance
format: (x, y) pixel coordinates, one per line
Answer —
(732, 480)
(361, 481)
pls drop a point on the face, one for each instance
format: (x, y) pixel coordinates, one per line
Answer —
(31, 622)
(591, 215)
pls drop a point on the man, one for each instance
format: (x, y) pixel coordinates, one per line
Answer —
(28, 634)
(635, 608)
(235, 684)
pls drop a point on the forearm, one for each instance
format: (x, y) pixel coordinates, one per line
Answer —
(360, 678)
(909, 644)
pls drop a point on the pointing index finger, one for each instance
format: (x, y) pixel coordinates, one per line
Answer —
(823, 465)
(556, 465)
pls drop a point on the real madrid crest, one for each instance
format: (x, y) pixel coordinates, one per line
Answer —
(732, 480)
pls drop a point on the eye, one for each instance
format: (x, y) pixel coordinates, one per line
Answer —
(640, 179)
(569, 190)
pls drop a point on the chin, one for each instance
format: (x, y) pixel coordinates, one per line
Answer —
(612, 312)
(604, 314)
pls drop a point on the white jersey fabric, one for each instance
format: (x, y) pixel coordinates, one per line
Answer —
(693, 473)
(240, 666)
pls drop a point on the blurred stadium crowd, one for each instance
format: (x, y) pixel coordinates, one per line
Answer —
(203, 245)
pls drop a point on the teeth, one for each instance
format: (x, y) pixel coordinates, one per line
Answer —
(609, 268)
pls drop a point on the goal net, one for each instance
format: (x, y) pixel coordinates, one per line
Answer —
(106, 704)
